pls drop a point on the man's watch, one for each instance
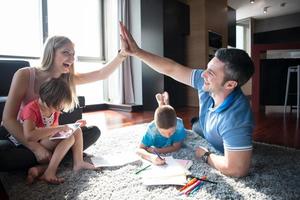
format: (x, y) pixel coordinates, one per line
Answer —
(205, 156)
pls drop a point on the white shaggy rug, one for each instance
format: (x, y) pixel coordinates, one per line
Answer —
(275, 174)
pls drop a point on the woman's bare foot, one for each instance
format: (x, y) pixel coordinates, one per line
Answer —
(83, 165)
(52, 179)
(165, 98)
(35, 172)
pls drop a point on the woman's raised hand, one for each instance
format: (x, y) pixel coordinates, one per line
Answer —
(128, 44)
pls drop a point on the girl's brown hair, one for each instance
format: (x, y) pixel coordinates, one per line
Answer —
(57, 94)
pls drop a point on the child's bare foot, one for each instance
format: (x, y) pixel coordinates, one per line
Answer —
(165, 98)
(52, 179)
(83, 165)
(159, 99)
(35, 172)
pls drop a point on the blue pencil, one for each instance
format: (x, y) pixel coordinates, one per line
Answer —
(196, 189)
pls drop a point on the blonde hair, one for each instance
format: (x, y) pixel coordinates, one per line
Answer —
(51, 45)
(165, 117)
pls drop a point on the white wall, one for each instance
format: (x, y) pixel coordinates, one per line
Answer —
(135, 29)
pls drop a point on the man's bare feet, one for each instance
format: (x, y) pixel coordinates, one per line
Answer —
(35, 172)
(83, 165)
(165, 98)
(52, 179)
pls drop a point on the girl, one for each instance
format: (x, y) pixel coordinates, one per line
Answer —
(40, 122)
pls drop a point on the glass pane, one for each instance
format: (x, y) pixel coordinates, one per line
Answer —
(113, 90)
(21, 28)
(93, 92)
(240, 37)
(80, 21)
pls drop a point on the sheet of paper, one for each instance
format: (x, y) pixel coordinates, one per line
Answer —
(114, 160)
(172, 168)
(173, 173)
(185, 163)
(66, 134)
(173, 180)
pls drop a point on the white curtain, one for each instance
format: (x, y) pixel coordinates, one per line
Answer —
(127, 91)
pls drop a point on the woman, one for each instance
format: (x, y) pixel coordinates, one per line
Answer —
(57, 61)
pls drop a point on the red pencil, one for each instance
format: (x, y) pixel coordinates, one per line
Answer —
(192, 187)
(191, 182)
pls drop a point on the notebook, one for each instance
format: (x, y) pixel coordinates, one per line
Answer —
(185, 163)
(173, 173)
(65, 134)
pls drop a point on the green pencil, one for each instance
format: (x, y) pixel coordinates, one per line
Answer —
(143, 169)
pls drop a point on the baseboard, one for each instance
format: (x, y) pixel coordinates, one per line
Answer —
(95, 107)
(118, 107)
(125, 107)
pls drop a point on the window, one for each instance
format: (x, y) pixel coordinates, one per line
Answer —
(240, 37)
(28, 23)
(243, 36)
(25, 25)
(21, 28)
(80, 20)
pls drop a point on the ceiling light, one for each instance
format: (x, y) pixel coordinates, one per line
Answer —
(252, 1)
(265, 9)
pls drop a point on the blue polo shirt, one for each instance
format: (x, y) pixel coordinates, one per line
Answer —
(153, 138)
(228, 126)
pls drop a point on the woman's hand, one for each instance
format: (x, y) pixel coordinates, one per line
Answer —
(128, 44)
(42, 155)
(82, 122)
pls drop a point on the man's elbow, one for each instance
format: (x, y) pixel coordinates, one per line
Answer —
(236, 172)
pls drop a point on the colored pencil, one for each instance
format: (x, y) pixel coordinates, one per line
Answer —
(191, 182)
(202, 179)
(143, 169)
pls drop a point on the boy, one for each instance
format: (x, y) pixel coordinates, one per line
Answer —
(164, 135)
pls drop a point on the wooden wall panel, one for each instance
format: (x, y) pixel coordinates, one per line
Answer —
(204, 15)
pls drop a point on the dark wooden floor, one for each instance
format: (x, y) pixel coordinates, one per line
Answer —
(274, 128)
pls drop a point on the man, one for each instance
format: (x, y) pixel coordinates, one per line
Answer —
(225, 116)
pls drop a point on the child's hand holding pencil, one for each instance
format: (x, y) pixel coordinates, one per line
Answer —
(158, 160)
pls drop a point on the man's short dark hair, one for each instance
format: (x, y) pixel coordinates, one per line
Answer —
(165, 117)
(238, 65)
